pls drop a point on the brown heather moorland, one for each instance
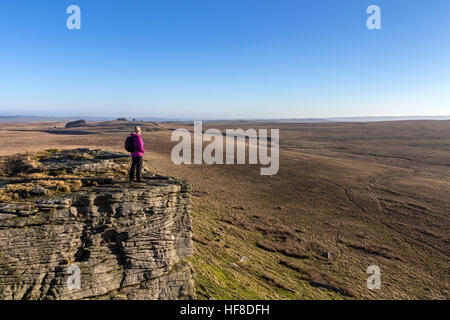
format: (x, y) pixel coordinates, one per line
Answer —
(347, 196)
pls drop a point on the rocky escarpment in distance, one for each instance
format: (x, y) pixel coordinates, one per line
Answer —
(125, 241)
(75, 124)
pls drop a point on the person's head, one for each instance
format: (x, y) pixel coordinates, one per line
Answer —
(137, 130)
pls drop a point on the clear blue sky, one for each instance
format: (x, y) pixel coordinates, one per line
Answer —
(225, 58)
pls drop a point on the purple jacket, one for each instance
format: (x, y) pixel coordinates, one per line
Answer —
(138, 145)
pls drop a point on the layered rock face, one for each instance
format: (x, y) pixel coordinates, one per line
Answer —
(114, 240)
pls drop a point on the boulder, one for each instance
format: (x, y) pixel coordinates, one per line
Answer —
(77, 123)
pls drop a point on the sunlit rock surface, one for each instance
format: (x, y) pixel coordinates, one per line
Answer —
(128, 241)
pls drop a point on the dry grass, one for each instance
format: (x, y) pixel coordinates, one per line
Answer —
(15, 164)
(320, 279)
(290, 248)
(26, 175)
(275, 281)
(41, 187)
(320, 195)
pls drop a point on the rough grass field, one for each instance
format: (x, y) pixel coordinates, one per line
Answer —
(347, 196)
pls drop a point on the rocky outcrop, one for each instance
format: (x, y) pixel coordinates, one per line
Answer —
(77, 123)
(114, 240)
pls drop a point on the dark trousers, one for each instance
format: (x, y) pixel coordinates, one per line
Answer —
(136, 168)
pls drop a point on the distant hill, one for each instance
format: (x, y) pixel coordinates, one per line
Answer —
(372, 119)
(21, 118)
(351, 119)
(25, 118)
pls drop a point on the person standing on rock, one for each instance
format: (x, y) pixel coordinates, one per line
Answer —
(137, 155)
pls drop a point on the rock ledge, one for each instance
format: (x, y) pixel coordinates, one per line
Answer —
(128, 241)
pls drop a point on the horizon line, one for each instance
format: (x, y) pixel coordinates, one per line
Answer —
(168, 119)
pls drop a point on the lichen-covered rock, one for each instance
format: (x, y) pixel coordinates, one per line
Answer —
(126, 241)
(80, 160)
